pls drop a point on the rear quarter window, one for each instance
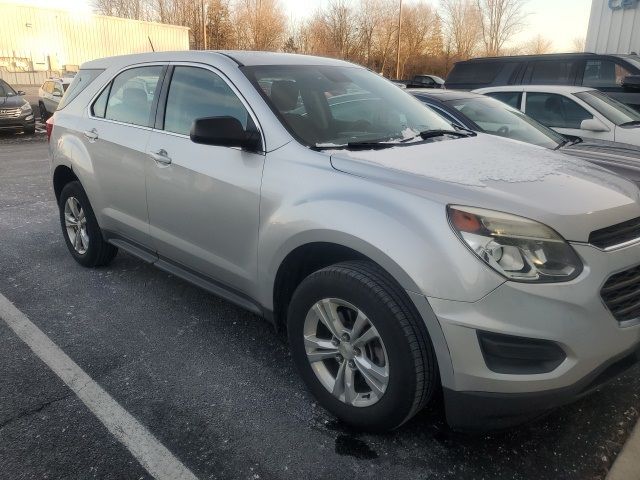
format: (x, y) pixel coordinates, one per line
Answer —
(81, 81)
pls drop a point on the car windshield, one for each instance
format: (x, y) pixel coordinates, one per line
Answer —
(612, 109)
(6, 90)
(498, 118)
(336, 106)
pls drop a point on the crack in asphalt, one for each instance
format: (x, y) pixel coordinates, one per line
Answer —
(33, 411)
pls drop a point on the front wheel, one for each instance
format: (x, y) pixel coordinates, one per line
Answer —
(360, 347)
(80, 228)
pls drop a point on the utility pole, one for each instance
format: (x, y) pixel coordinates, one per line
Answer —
(398, 52)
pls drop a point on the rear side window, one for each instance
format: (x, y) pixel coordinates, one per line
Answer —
(513, 99)
(198, 93)
(129, 96)
(603, 73)
(555, 110)
(81, 81)
(552, 72)
(476, 73)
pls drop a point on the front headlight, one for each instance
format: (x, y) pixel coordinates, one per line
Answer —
(516, 247)
(25, 108)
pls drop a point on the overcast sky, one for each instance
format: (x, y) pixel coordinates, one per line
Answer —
(558, 20)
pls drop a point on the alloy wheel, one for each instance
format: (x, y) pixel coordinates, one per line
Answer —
(76, 224)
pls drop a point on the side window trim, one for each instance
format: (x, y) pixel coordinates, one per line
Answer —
(149, 126)
(162, 104)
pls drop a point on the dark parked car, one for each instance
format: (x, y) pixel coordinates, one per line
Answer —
(616, 75)
(480, 113)
(422, 81)
(15, 111)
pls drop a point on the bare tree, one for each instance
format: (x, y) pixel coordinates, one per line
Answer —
(462, 24)
(579, 44)
(220, 34)
(539, 45)
(260, 24)
(500, 20)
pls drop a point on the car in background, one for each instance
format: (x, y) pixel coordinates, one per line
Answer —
(49, 95)
(422, 81)
(616, 75)
(578, 111)
(481, 113)
(15, 112)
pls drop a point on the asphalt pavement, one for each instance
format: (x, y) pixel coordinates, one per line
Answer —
(215, 384)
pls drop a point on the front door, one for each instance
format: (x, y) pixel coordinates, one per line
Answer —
(203, 200)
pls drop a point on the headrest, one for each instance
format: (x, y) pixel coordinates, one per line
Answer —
(284, 95)
(134, 95)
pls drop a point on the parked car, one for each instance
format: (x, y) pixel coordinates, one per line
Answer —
(402, 256)
(482, 113)
(578, 111)
(15, 111)
(425, 81)
(616, 75)
(50, 93)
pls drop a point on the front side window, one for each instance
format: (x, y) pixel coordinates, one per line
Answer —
(198, 93)
(555, 110)
(4, 89)
(513, 99)
(496, 118)
(603, 73)
(327, 106)
(615, 111)
(131, 95)
(552, 72)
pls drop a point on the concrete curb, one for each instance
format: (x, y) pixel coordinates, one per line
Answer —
(627, 464)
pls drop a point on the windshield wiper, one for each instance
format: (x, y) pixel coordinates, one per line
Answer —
(441, 133)
(370, 144)
(630, 124)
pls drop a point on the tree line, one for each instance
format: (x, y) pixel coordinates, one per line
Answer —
(432, 35)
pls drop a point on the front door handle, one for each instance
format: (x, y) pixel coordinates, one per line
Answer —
(92, 134)
(161, 156)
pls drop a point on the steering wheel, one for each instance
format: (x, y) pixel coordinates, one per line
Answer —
(504, 130)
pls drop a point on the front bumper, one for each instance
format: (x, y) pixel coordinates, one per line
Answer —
(26, 120)
(571, 314)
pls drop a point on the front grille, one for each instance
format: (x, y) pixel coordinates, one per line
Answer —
(621, 295)
(616, 234)
(9, 112)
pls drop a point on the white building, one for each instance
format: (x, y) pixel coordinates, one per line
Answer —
(614, 26)
(34, 40)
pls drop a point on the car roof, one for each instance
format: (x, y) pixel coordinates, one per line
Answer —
(239, 57)
(442, 95)
(544, 56)
(535, 88)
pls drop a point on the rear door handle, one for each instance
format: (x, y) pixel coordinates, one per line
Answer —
(161, 156)
(91, 134)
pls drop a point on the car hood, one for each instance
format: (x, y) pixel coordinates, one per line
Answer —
(12, 102)
(568, 194)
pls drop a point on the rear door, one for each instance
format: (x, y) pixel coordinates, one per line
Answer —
(116, 133)
(203, 200)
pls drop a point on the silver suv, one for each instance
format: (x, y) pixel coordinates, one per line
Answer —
(405, 259)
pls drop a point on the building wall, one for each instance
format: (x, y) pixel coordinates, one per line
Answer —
(614, 26)
(42, 39)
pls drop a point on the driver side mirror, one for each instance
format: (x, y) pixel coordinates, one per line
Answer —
(593, 125)
(225, 132)
(631, 81)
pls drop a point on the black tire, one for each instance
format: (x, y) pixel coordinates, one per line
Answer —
(30, 130)
(44, 115)
(99, 252)
(413, 372)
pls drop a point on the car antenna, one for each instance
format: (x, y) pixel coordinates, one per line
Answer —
(151, 43)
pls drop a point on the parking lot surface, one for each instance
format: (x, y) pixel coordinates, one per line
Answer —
(214, 384)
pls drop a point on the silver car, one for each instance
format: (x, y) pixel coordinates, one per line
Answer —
(405, 259)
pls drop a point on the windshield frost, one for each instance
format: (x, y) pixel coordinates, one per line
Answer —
(334, 106)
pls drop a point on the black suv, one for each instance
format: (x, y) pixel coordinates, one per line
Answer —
(15, 111)
(616, 75)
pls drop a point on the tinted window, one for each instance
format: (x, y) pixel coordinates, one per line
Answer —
(4, 89)
(476, 73)
(81, 81)
(513, 99)
(131, 95)
(198, 93)
(612, 109)
(555, 110)
(552, 72)
(371, 108)
(603, 73)
(99, 107)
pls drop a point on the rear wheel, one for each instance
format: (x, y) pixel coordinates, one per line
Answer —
(360, 347)
(80, 228)
(44, 115)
